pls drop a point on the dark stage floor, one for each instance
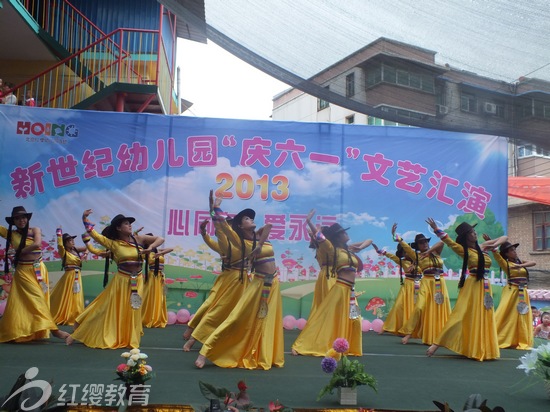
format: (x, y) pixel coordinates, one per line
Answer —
(407, 379)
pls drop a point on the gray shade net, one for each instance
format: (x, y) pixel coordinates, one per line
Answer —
(295, 40)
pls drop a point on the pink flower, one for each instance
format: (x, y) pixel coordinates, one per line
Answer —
(148, 368)
(121, 368)
(340, 345)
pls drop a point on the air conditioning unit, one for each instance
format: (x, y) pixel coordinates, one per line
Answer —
(442, 109)
(490, 108)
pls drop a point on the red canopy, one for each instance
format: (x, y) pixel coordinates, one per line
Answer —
(536, 189)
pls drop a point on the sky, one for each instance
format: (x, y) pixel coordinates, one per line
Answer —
(220, 85)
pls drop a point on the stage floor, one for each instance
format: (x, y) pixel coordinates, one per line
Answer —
(407, 379)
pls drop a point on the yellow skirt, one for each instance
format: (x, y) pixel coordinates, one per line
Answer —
(322, 288)
(27, 314)
(65, 304)
(153, 312)
(245, 341)
(513, 329)
(402, 308)
(109, 321)
(329, 322)
(203, 309)
(470, 330)
(229, 292)
(428, 318)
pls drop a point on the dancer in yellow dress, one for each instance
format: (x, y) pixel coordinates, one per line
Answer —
(154, 313)
(338, 315)
(325, 280)
(227, 291)
(27, 314)
(67, 297)
(252, 335)
(513, 317)
(113, 318)
(404, 302)
(470, 330)
(432, 306)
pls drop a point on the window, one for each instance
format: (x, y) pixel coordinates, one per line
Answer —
(374, 76)
(468, 103)
(322, 104)
(532, 150)
(541, 225)
(350, 119)
(350, 85)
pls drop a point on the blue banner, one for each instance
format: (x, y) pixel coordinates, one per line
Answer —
(160, 169)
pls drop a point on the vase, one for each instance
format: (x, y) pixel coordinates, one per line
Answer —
(347, 396)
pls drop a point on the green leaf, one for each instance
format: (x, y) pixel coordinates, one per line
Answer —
(212, 392)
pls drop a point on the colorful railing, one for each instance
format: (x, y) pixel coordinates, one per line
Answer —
(97, 60)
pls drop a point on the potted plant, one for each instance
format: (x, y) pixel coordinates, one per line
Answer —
(537, 361)
(135, 372)
(346, 374)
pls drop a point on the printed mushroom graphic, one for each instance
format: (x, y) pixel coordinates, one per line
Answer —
(374, 304)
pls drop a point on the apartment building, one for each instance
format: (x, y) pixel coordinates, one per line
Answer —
(405, 86)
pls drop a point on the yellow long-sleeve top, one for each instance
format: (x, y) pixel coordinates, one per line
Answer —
(236, 243)
(71, 260)
(229, 252)
(472, 253)
(427, 264)
(343, 260)
(16, 240)
(517, 275)
(122, 252)
(407, 265)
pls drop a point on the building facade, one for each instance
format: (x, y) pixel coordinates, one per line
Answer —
(404, 83)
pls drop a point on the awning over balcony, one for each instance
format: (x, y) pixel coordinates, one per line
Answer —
(535, 189)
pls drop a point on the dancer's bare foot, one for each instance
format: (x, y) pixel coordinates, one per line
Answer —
(187, 333)
(201, 360)
(189, 344)
(405, 339)
(431, 350)
(61, 334)
(294, 353)
(75, 325)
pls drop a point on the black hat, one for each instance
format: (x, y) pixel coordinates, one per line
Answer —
(239, 217)
(18, 211)
(419, 238)
(118, 219)
(110, 231)
(505, 246)
(333, 230)
(464, 228)
(66, 237)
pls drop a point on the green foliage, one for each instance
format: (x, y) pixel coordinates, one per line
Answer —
(348, 374)
(489, 225)
(212, 392)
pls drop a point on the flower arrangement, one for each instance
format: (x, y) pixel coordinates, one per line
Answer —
(135, 371)
(345, 373)
(231, 400)
(537, 360)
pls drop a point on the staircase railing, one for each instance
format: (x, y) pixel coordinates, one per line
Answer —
(95, 67)
(64, 23)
